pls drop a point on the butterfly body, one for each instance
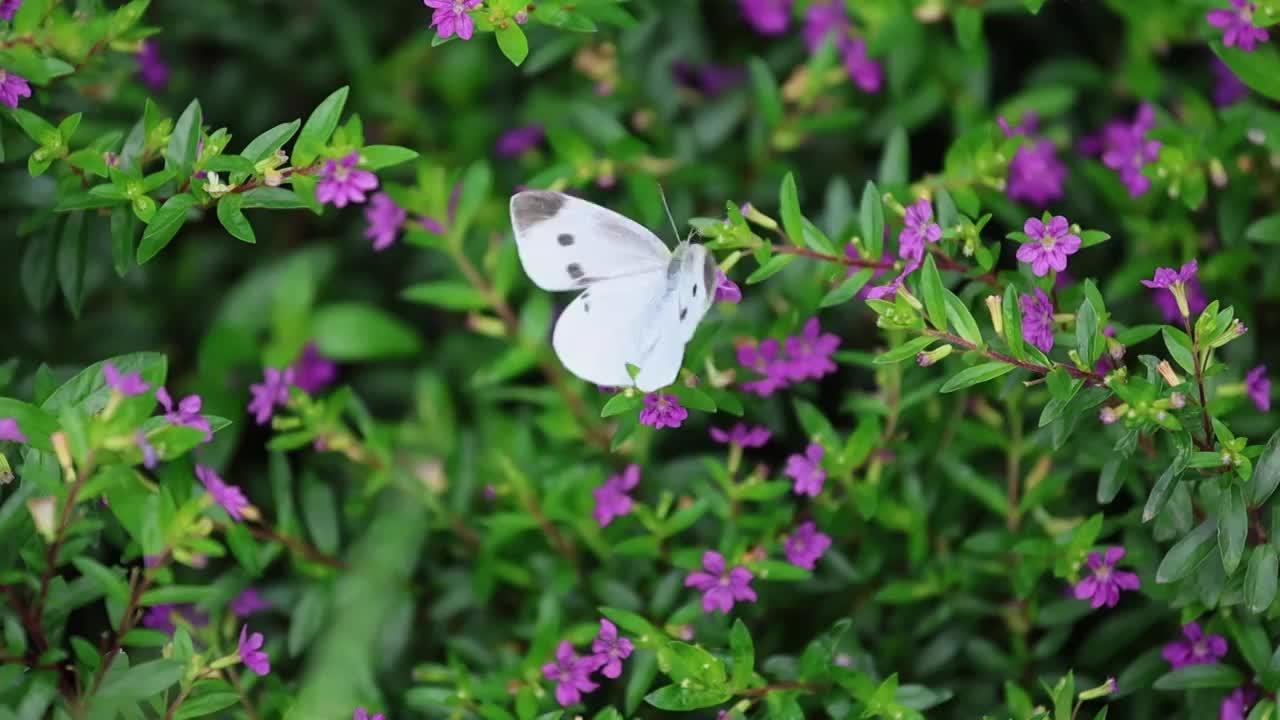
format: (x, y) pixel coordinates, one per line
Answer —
(641, 303)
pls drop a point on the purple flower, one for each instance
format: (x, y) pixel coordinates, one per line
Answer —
(1037, 319)
(1258, 386)
(710, 79)
(248, 602)
(1196, 649)
(571, 673)
(765, 359)
(519, 140)
(1196, 300)
(313, 372)
(918, 230)
(1049, 246)
(806, 470)
(385, 219)
(720, 589)
(272, 391)
(1236, 704)
(822, 19)
(362, 714)
(160, 617)
(450, 17)
(767, 17)
(9, 8)
(1105, 582)
(1237, 25)
(806, 545)
(889, 289)
(149, 457)
(9, 430)
(810, 352)
(127, 385)
(1167, 278)
(251, 653)
(726, 289)
(228, 496)
(879, 268)
(341, 183)
(612, 500)
(1035, 173)
(864, 71)
(1123, 147)
(610, 649)
(662, 411)
(187, 413)
(152, 68)
(1228, 89)
(742, 435)
(13, 87)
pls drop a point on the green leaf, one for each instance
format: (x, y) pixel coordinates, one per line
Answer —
(1233, 526)
(180, 153)
(357, 332)
(33, 422)
(961, 319)
(789, 202)
(274, 198)
(847, 289)
(1033, 5)
(1012, 315)
(166, 223)
(1200, 677)
(377, 157)
(894, 164)
(1187, 554)
(208, 704)
(934, 303)
(319, 128)
(1260, 578)
(770, 268)
(679, 699)
(111, 581)
(1179, 346)
(265, 145)
(320, 511)
(513, 43)
(1163, 488)
(765, 89)
(177, 594)
(477, 182)
(72, 260)
(871, 220)
(743, 652)
(905, 351)
(1088, 336)
(41, 131)
(968, 22)
(88, 390)
(621, 403)
(1256, 68)
(140, 682)
(449, 294)
(227, 164)
(1266, 472)
(233, 219)
(38, 273)
(975, 375)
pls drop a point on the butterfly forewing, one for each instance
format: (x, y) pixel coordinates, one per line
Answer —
(616, 322)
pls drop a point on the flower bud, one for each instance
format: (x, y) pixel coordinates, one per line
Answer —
(995, 307)
(750, 212)
(1177, 401)
(1102, 690)
(1108, 415)
(42, 514)
(925, 359)
(1166, 372)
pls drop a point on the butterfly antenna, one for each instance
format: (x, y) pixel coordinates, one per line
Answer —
(667, 207)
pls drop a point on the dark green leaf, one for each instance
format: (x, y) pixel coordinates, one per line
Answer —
(1233, 527)
(357, 331)
(680, 699)
(73, 249)
(1187, 554)
(743, 652)
(180, 153)
(934, 303)
(871, 220)
(376, 157)
(1266, 472)
(961, 319)
(894, 164)
(448, 294)
(513, 43)
(1260, 578)
(166, 223)
(975, 375)
(319, 128)
(263, 146)
(765, 89)
(1200, 677)
(1163, 488)
(233, 219)
(847, 288)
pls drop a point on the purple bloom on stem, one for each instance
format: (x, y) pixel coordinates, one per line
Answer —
(742, 435)
(1104, 583)
(806, 470)
(127, 385)
(806, 545)
(1238, 29)
(1035, 173)
(451, 18)
(720, 589)
(1037, 319)
(767, 17)
(726, 289)
(662, 411)
(612, 500)
(152, 67)
(160, 617)
(228, 496)
(765, 359)
(248, 602)
(313, 372)
(13, 87)
(9, 430)
(864, 71)
(1124, 147)
(1049, 246)
(571, 673)
(362, 714)
(341, 183)
(919, 229)
(272, 391)
(1258, 386)
(810, 352)
(1236, 704)
(610, 649)
(1196, 649)
(251, 652)
(519, 140)
(187, 413)
(1196, 300)
(1167, 278)
(385, 219)
(1228, 88)
(149, 457)
(9, 8)
(822, 19)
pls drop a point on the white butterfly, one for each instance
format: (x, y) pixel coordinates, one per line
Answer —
(641, 302)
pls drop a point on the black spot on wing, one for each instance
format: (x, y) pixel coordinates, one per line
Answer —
(575, 271)
(534, 206)
(683, 312)
(565, 239)
(695, 291)
(709, 273)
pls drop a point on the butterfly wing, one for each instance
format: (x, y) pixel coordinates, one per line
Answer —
(567, 243)
(693, 288)
(619, 321)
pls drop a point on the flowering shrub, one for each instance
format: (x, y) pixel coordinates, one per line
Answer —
(979, 424)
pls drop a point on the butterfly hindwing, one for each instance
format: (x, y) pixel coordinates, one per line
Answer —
(614, 322)
(567, 243)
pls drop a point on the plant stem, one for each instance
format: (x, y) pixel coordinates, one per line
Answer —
(1075, 372)
(1199, 371)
